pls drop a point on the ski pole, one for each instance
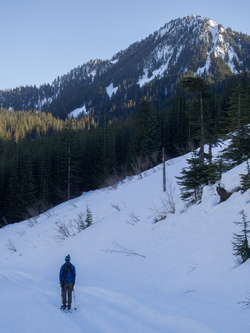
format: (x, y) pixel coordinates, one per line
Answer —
(74, 299)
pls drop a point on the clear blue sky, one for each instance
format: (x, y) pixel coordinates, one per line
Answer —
(43, 39)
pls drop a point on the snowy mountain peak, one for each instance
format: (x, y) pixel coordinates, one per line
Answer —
(192, 44)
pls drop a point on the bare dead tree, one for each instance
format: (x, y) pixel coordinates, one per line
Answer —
(65, 230)
(137, 166)
(113, 180)
(140, 164)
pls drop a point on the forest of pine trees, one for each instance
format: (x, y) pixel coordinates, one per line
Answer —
(45, 160)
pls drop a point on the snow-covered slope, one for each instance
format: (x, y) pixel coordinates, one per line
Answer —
(133, 275)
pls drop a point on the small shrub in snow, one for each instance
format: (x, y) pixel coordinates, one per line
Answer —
(70, 228)
(73, 204)
(50, 212)
(116, 206)
(166, 204)
(65, 230)
(245, 304)
(192, 267)
(83, 223)
(89, 218)
(11, 246)
(133, 219)
(245, 179)
(80, 221)
(32, 222)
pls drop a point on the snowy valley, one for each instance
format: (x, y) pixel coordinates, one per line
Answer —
(133, 275)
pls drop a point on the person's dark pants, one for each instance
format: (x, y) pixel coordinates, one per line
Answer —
(67, 293)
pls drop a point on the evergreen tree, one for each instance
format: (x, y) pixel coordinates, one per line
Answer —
(122, 146)
(12, 212)
(70, 158)
(179, 123)
(27, 191)
(140, 128)
(240, 244)
(245, 179)
(192, 180)
(21, 187)
(239, 117)
(213, 172)
(196, 85)
(238, 150)
(151, 144)
(239, 109)
(76, 164)
(89, 218)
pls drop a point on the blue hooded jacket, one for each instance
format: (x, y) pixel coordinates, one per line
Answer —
(70, 275)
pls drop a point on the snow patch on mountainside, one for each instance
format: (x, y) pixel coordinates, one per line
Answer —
(220, 48)
(77, 112)
(111, 90)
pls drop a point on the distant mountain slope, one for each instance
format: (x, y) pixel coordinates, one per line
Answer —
(193, 45)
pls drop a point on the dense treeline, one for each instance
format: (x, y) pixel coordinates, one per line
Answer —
(18, 125)
(45, 160)
(232, 119)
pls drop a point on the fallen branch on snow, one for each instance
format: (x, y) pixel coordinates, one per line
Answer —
(122, 250)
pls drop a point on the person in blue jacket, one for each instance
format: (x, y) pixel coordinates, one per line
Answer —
(67, 277)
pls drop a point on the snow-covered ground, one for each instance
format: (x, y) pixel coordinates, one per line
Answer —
(133, 275)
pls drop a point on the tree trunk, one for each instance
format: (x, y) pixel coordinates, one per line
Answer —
(164, 170)
(239, 117)
(201, 154)
(69, 171)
